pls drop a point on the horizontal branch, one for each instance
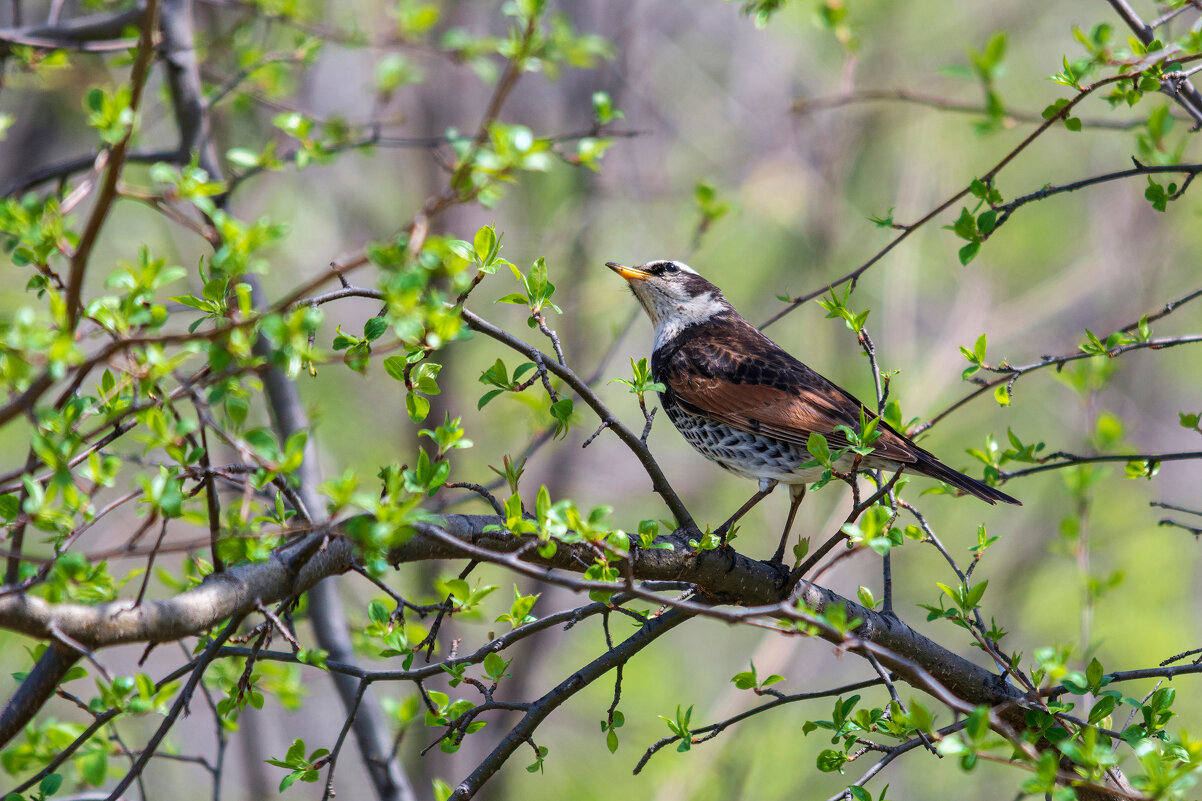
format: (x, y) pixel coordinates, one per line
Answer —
(75, 33)
(292, 569)
(1058, 460)
(809, 105)
(721, 578)
(1188, 170)
(1009, 374)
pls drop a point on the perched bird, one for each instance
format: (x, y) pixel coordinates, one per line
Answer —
(746, 404)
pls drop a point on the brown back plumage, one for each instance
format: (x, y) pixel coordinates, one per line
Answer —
(726, 369)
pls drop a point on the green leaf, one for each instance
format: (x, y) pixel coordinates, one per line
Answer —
(377, 611)
(488, 396)
(242, 157)
(561, 410)
(395, 365)
(495, 666)
(374, 328)
(485, 243)
(830, 761)
(417, 406)
(745, 680)
(93, 767)
(977, 592)
(817, 446)
(969, 252)
(313, 656)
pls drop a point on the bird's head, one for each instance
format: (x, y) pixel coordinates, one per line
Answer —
(674, 295)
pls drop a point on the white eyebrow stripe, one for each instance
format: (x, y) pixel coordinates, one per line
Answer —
(680, 265)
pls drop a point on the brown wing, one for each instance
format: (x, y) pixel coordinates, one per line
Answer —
(756, 386)
(737, 375)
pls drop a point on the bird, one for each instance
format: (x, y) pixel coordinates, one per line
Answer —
(746, 404)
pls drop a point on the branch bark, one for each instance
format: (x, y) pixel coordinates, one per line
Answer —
(73, 33)
(743, 582)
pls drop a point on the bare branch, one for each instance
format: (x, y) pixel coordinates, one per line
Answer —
(115, 161)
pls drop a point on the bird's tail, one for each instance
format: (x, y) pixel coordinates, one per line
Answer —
(930, 466)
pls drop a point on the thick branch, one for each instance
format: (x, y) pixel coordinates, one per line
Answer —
(522, 732)
(73, 33)
(237, 591)
(187, 92)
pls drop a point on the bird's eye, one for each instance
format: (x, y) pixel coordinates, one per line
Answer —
(670, 268)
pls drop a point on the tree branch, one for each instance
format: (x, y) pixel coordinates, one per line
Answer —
(985, 178)
(659, 481)
(114, 165)
(651, 631)
(1182, 92)
(810, 105)
(76, 33)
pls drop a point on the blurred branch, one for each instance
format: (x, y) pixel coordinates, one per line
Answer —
(325, 608)
(81, 33)
(1175, 508)
(986, 179)
(1061, 459)
(1164, 311)
(115, 162)
(1168, 522)
(811, 105)
(1009, 374)
(65, 169)
(1178, 88)
(187, 92)
(289, 417)
(1171, 14)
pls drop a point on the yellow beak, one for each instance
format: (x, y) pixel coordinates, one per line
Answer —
(629, 273)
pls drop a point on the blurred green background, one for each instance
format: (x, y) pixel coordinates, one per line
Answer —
(711, 98)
